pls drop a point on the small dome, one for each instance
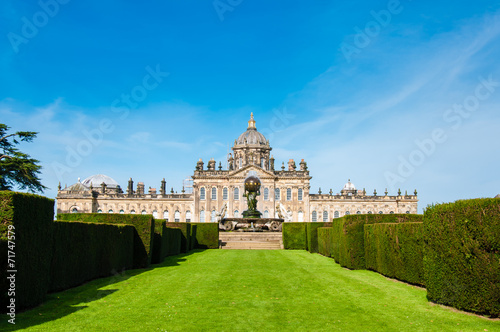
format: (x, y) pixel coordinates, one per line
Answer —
(77, 187)
(349, 186)
(251, 136)
(97, 180)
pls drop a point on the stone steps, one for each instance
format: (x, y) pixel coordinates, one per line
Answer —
(251, 241)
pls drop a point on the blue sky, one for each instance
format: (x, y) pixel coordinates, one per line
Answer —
(390, 94)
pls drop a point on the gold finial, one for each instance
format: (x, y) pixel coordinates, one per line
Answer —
(251, 123)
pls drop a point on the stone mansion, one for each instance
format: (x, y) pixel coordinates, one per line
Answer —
(215, 187)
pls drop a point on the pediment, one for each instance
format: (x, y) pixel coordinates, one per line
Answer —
(256, 170)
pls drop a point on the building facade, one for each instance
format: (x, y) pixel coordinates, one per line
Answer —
(214, 188)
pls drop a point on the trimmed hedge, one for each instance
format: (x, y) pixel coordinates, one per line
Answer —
(337, 232)
(160, 245)
(396, 251)
(86, 251)
(205, 235)
(462, 255)
(174, 239)
(144, 224)
(185, 228)
(325, 241)
(312, 234)
(352, 236)
(32, 217)
(294, 235)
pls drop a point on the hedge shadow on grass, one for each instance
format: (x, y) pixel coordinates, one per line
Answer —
(61, 304)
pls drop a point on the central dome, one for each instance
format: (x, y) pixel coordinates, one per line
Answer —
(251, 136)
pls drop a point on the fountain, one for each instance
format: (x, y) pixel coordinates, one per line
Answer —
(251, 220)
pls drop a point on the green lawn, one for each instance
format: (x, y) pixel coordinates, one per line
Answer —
(225, 290)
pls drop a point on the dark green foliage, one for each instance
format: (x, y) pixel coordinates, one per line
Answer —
(462, 255)
(312, 234)
(337, 232)
(351, 238)
(17, 168)
(396, 251)
(86, 251)
(294, 235)
(160, 246)
(167, 241)
(174, 239)
(32, 216)
(205, 235)
(325, 241)
(185, 227)
(144, 224)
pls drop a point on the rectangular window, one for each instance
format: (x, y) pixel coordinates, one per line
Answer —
(301, 194)
(224, 194)
(214, 193)
(289, 194)
(277, 195)
(236, 194)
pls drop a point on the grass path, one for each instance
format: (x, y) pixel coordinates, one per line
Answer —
(225, 290)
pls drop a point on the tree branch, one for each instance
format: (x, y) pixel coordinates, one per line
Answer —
(7, 136)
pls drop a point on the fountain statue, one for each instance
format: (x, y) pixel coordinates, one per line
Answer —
(252, 190)
(251, 220)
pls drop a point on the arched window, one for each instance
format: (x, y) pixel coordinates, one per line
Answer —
(336, 214)
(155, 214)
(132, 212)
(236, 193)
(224, 194)
(165, 215)
(347, 213)
(380, 212)
(289, 194)
(122, 212)
(241, 162)
(266, 214)
(370, 212)
(301, 194)
(277, 194)
(74, 210)
(314, 216)
(325, 216)
(358, 212)
(212, 217)
(262, 163)
(177, 216)
(392, 212)
(214, 193)
(202, 194)
(143, 212)
(301, 216)
(188, 216)
(236, 213)
(99, 211)
(202, 216)
(266, 194)
(407, 212)
(110, 211)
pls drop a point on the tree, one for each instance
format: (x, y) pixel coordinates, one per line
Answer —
(17, 168)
